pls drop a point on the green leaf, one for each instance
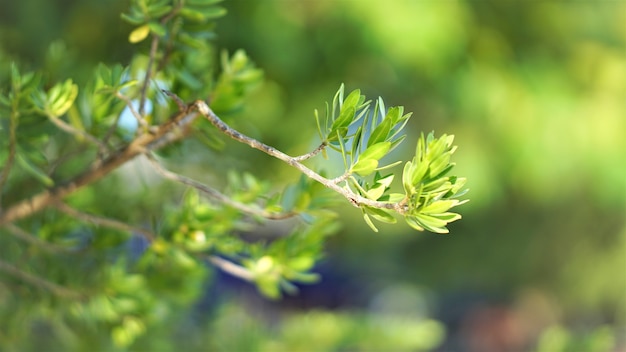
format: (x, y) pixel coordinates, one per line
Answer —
(75, 119)
(369, 222)
(380, 133)
(343, 148)
(319, 126)
(407, 178)
(439, 206)
(384, 180)
(376, 151)
(352, 100)
(364, 167)
(157, 28)
(381, 108)
(375, 192)
(61, 97)
(211, 13)
(104, 73)
(301, 263)
(431, 223)
(135, 19)
(343, 121)
(191, 41)
(448, 217)
(356, 141)
(418, 172)
(381, 215)
(159, 10)
(395, 114)
(382, 184)
(337, 100)
(411, 221)
(34, 171)
(389, 166)
(192, 14)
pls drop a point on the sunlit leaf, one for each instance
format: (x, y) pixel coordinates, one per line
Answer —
(376, 151)
(369, 222)
(138, 34)
(364, 167)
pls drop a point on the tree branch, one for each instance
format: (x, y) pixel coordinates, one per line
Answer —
(34, 240)
(103, 149)
(215, 194)
(39, 282)
(312, 153)
(166, 133)
(355, 199)
(340, 178)
(154, 45)
(231, 268)
(140, 120)
(102, 221)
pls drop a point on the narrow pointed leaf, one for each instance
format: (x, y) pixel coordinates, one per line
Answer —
(138, 34)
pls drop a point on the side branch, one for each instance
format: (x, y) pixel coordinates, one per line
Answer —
(64, 126)
(102, 221)
(166, 133)
(154, 45)
(215, 194)
(355, 199)
(37, 281)
(34, 240)
(311, 154)
(231, 268)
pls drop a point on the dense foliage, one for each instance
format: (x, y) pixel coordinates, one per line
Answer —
(532, 91)
(75, 247)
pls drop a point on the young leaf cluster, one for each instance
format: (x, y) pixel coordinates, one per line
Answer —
(364, 138)
(430, 192)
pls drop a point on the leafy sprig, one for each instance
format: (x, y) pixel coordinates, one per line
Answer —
(364, 138)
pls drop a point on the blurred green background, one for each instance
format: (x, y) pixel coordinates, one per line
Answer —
(535, 93)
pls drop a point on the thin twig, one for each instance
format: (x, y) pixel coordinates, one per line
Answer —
(65, 156)
(171, 35)
(355, 199)
(34, 240)
(38, 281)
(111, 129)
(11, 158)
(154, 45)
(140, 120)
(341, 178)
(103, 149)
(215, 194)
(102, 221)
(179, 102)
(231, 268)
(311, 154)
